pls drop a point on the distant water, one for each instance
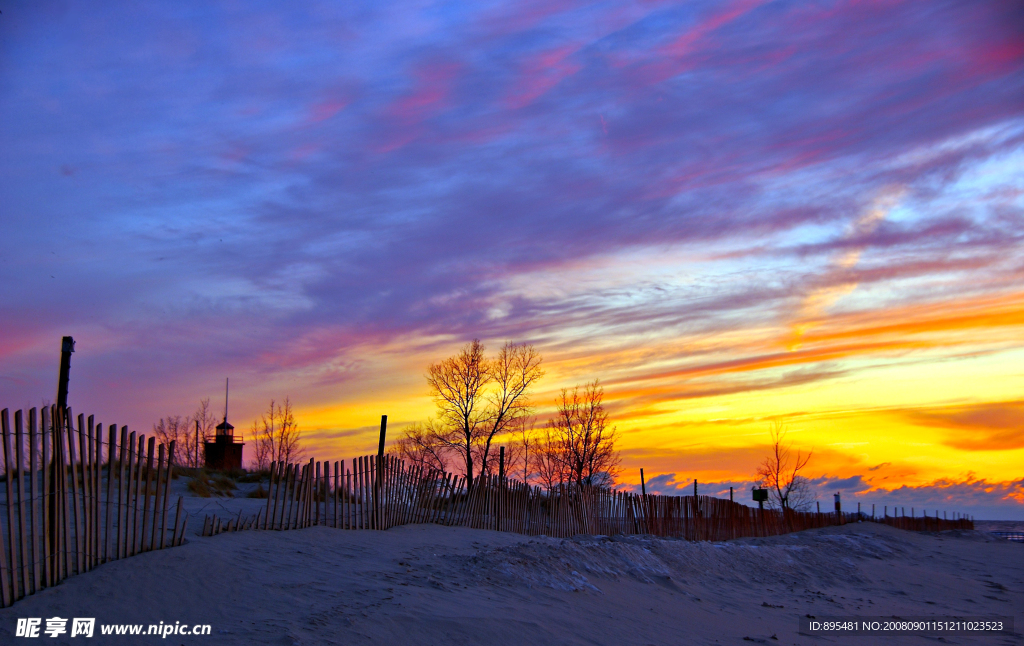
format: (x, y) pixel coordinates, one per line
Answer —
(999, 525)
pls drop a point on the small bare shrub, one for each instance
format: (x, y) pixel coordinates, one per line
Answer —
(223, 485)
(200, 486)
(253, 476)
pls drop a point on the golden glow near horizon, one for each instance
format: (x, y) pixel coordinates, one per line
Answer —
(899, 394)
(895, 371)
(827, 233)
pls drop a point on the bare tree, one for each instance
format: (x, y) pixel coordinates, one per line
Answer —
(419, 446)
(188, 433)
(478, 400)
(547, 459)
(513, 372)
(261, 449)
(457, 384)
(202, 427)
(780, 474)
(586, 445)
(174, 429)
(527, 440)
(276, 436)
(515, 451)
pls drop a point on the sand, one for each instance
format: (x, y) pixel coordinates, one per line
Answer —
(425, 584)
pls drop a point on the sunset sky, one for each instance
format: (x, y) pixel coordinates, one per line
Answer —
(731, 213)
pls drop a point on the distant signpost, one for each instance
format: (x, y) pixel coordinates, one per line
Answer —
(760, 496)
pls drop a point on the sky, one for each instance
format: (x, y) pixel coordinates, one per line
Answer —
(733, 214)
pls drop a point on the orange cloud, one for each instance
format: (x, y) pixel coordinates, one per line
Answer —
(782, 359)
(991, 426)
(1002, 310)
(818, 300)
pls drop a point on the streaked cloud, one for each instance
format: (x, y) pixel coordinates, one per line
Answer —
(989, 426)
(721, 209)
(967, 494)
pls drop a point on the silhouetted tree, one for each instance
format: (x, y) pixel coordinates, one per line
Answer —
(207, 420)
(580, 438)
(182, 430)
(478, 400)
(276, 436)
(173, 429)
(780, 474)
(527, 440)
(547, 461)
(512, 373)
(419, 446)
(457, 385)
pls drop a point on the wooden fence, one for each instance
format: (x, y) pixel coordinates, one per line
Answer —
(925, 523)
(65, 511)
(378, 492)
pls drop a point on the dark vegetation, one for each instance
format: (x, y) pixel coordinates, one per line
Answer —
(485, 403)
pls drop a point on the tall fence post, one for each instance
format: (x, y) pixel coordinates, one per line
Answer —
(379, 476)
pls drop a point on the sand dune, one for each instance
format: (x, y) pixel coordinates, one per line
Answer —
(425, 584)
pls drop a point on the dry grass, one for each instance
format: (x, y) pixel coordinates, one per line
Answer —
(253, 476)
(200, 486)
(204, 485)
(223, 485)
(258, 492)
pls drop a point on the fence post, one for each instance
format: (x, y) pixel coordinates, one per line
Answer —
(19, 477)
(37, 578)
(167, 489)
(45, 423)
(501, 486)
(7, 569)
(378, 476)
(270, 489)
(75, 516)
(147, 482)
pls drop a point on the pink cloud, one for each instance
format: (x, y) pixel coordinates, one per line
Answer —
(688, 50)
(524, 15)
(303, 152)
(685, 44)
(991, 58)
(405, 117)
(325, 110)
(541, 73)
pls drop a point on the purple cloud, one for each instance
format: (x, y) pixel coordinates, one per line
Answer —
(966, 495)
(224, 187)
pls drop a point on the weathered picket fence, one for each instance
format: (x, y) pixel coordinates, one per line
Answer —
(378, 492)
(65, 511)
(924, 523)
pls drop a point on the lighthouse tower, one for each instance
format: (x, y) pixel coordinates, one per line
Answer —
(224, 453)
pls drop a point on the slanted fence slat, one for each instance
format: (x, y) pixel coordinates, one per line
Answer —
(60, 518)
(53, 528)
(34, 517)
(379, 492)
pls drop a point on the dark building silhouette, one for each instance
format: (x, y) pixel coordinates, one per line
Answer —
(224, 453)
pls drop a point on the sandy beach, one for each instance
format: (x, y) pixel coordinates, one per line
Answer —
(426, 584)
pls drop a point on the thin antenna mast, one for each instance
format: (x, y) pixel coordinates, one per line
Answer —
(226, 379)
